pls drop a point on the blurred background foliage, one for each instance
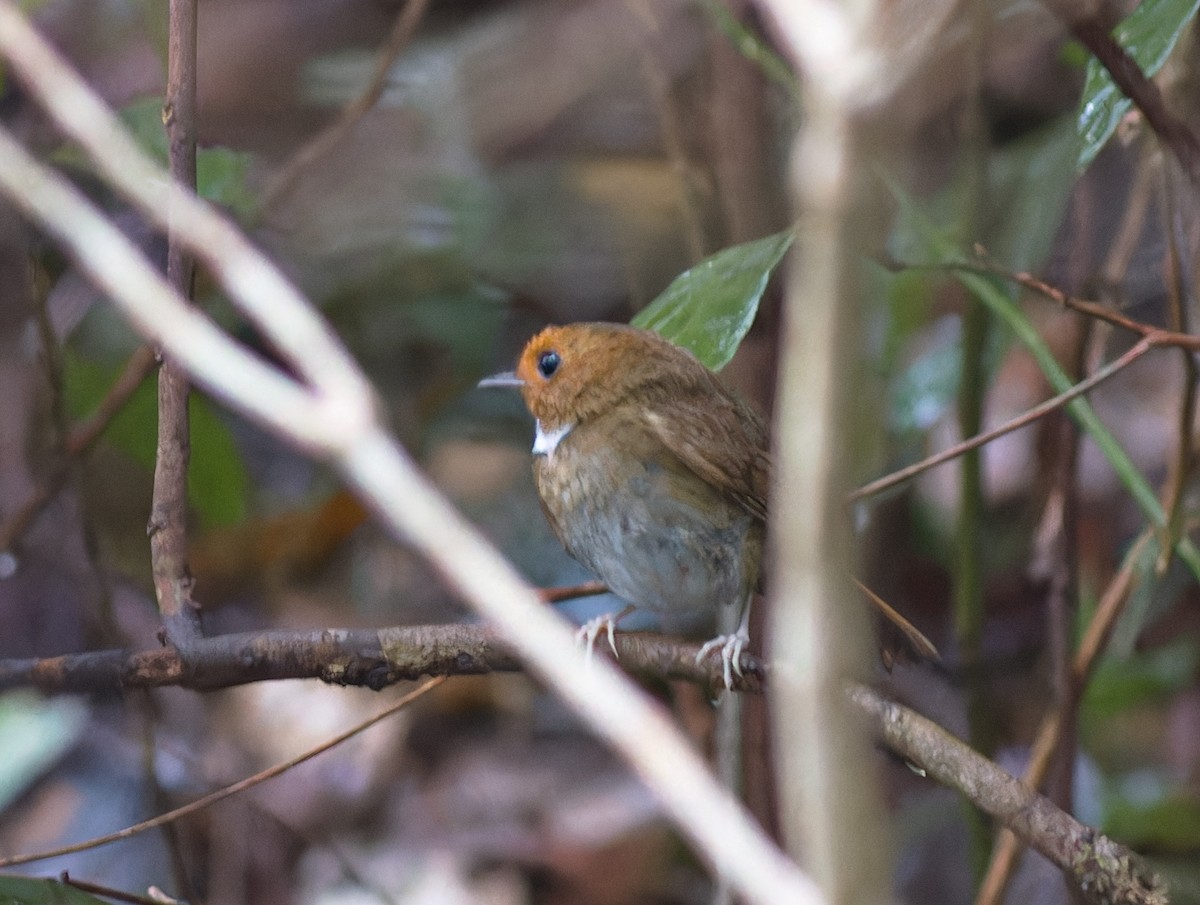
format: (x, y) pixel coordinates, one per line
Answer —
(535, 161)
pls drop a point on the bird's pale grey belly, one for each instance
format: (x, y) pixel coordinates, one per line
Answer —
(679, 557)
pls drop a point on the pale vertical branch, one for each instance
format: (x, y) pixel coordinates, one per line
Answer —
(832, 815)
(169, 507)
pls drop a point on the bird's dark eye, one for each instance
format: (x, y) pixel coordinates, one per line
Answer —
(548, 363)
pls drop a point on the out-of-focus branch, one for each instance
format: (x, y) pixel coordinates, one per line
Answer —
(316, 149)
(374, 658)
(830, 806)
(333, 414)
(1102, 870)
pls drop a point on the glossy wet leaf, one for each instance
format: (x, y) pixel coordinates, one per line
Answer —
(709, 308)
(1148, 34)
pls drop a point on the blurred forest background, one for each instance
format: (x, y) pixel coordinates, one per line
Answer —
(545, 161)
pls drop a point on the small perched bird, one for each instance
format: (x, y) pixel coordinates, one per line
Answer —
(650, 471)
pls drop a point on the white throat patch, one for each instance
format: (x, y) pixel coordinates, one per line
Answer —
(545, 442)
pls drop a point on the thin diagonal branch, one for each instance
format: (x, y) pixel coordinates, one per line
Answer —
(1101, 870)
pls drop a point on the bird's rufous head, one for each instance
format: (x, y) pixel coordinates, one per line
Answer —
(567, 374)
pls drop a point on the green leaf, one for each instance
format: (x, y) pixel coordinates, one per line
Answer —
(30, 891)
(1148, 34)
(36, 733)
(710, 308)
(1155, 592)
(217, 479)
(924, 390)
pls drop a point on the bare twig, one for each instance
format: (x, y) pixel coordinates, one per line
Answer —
(333, 414)
(572, 592)
(108, 892)
(221, 794)
(169, 505)
(983, 265)
(1180, 466)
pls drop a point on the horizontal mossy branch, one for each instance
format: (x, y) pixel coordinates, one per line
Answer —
(371, 658)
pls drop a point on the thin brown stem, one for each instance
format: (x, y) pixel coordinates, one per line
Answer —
(1179, 466)
(572, 592)
(168, 509)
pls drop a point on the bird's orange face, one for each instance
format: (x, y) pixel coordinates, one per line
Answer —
(558, 367)
(572, 373)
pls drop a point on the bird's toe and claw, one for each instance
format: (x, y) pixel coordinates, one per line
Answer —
(730, 648)
(593, 629)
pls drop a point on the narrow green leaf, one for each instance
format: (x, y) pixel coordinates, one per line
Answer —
(710, 308)
(218, 484)
(1149, 34)
(1030, 182)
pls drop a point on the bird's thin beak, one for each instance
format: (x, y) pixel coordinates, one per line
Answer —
(503, 379)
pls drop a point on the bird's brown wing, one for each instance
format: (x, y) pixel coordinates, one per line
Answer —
(720, 439)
